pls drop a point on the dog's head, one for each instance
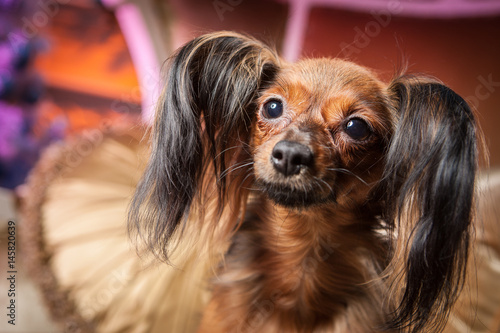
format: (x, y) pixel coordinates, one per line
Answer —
(234, 118)
(321, 131)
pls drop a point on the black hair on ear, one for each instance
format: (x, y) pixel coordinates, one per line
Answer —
(203, 117)
(430, 185)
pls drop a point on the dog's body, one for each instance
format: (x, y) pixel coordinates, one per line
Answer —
(285, 272)
(347, 202)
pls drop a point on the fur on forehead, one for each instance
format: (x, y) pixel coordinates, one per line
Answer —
(326, 76)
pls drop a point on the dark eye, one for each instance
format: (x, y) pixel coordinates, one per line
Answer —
(272, 109)
(357, 129)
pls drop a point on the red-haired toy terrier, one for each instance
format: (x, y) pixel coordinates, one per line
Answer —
(346, 202)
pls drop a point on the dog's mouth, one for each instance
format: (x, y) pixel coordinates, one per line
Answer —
(294, 197)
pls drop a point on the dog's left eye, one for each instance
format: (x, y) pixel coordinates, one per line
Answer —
(272, 109)
(357, 129)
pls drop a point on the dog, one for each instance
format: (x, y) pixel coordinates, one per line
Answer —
(339, 203)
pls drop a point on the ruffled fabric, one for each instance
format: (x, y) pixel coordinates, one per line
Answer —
(77, 247)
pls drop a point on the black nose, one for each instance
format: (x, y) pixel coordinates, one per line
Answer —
(290, 157)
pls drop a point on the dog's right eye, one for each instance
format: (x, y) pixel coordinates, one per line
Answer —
(272, 109)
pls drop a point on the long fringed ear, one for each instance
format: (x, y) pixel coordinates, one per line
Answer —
(430, 183)
(202, 120)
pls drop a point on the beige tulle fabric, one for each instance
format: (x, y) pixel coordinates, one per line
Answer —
(478, 309)
(77, 247)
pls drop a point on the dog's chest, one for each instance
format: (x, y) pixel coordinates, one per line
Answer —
(310, 285)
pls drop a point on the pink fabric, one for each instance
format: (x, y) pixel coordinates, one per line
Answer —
(415, 8)
(143, 55)
(142, 52)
